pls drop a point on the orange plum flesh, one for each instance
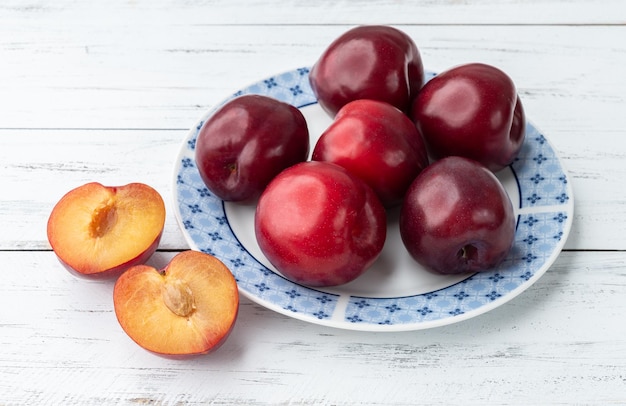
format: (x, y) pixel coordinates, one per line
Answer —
(104, 230)
(188, 308)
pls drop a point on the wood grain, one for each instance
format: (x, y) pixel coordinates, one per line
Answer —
(66, 347)
(292, 12)
(106, 78)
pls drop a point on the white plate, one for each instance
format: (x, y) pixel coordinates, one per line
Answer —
(396, 294)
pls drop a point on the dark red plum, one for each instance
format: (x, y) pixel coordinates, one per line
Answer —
(457, 217)
(474, 111)
(246, 143)
(368, 62)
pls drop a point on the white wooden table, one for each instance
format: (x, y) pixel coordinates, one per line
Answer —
(106, 91)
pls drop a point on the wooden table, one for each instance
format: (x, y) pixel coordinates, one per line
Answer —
(106, 91)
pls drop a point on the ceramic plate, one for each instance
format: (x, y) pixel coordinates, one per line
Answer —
(395, 294)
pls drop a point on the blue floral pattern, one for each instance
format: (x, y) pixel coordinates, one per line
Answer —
(542, 180)
(544, 219)
(535, 244)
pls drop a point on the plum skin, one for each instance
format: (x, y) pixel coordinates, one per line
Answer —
(378, 143)
(319, 225)
(246, 143)
(471, 110)
(457, 218)
(375, 62)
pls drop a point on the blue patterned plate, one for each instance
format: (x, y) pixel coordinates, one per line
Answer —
(396, 293)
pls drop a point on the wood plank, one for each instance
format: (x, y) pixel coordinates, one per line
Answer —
(273, 12)
(561, 342)
(152, 76)
(39, 166)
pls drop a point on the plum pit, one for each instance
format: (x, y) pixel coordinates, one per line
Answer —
(178, 297)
